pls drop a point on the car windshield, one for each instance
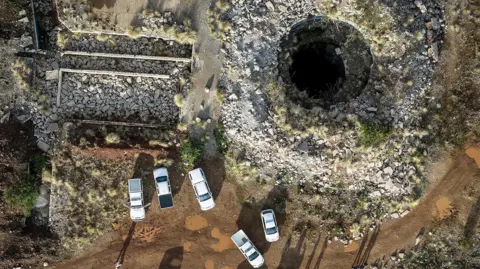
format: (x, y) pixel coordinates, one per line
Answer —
(204, 197)
(271, 230)
(136, 207)
(253, 256)
(161, 179)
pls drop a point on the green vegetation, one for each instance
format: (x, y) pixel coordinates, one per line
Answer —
(112, 138)
(191, 151)
(372, 134)
(25, 193)
(179, 101)
(221, 139)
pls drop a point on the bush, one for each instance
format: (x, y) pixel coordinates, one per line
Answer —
(179, 101)
(22, 195)
(112, 138)
(221, 139)
(372, 134)
(190, 152)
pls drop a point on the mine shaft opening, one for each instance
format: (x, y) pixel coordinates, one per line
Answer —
(318, 70)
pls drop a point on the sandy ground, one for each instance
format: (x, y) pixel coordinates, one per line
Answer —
(185, 237)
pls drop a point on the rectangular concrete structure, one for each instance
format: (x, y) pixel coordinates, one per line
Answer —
(127, 56)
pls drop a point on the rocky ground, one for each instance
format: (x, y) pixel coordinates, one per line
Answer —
(398, 94)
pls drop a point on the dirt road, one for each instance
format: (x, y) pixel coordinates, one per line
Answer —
(185, 237)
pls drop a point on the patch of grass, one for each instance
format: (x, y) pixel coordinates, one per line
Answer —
(133, 32)
(191, 151)
(371, 134)
(220, 139)
(112, 138)
(179, 101)
(61, 40)
(102, 37)
(23, 195)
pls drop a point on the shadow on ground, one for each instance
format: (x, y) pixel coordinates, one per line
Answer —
(126, 243)
(214, 169)
(250, 222)
(172, 259)
(292, 257)
(317, 264)
(144, 169)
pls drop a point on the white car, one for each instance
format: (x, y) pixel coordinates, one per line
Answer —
(270, 227)
(249, 251)
(164, 191)
(202, 191)
(135, 191)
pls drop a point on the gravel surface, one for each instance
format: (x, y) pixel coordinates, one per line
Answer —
(398, 95)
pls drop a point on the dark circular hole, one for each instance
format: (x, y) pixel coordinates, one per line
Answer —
(318, 70)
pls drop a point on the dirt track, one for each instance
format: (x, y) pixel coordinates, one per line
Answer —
(185, 237)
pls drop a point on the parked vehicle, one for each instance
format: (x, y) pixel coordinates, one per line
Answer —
(249, 251)
(135, 191)
(269, 222)
(202, 191)
(164, 191)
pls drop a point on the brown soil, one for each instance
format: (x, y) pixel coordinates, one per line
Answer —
(195, 223)
(190, 238)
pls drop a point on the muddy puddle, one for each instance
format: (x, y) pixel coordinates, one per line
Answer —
(474, 153)
(195, 223)
(444, 208)
(224, 241)
(209, 264)
(354, 246)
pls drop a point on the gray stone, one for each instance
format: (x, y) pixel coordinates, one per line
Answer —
(51, 75)
(43, 146)
(52, 127)
(388, 170)
(303, 147)
(22, 13)
(24, 20)
(372, 109)
(270, 6)
(435, 51)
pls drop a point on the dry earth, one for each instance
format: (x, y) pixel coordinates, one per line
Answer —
(188, 238)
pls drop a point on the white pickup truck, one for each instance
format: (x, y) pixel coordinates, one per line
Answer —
(135, 191)
(164, 191)
(249, 251)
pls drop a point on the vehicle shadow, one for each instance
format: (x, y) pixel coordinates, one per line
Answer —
(126, 243)
(175, 171)
(246, 265)
(172, 259)
(292, 257)
(214, 169)
(144, 169)
(250, 222)
(320, 256)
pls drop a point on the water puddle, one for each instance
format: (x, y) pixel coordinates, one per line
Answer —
(474, 153)
(444, 208)
(195, 223)
(354, 246)
(224, 241)
(209, 264)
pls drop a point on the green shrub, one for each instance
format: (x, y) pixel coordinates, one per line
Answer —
(25, 193)
(112, 138)
(190, 152)
(221, 139)
(372, 134)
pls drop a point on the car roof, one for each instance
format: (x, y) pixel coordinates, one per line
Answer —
(196, 175)
(201, 188)
(163, 188)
